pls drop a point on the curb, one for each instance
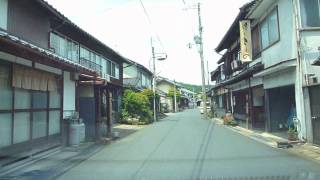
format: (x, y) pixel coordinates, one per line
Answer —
(298, 148)
(28, 161)
(248, 133)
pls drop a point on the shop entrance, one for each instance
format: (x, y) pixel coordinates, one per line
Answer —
(315, 113)
(281, 104)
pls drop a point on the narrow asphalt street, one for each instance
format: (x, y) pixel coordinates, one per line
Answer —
(184, 146)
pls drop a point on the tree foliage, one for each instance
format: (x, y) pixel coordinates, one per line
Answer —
(171, 93)
(149, 94)
(136, 104)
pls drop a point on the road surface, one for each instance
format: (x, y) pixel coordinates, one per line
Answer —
(185, 146)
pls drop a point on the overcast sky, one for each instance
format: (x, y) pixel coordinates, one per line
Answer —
(124, 26)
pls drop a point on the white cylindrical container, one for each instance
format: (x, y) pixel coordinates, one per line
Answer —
(74, 134)
(82, 132)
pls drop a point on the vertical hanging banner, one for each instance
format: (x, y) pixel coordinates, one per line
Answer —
(245, 41)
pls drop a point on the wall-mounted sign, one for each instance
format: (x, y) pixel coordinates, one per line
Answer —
(245, 41)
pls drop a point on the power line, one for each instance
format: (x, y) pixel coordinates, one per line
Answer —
(150, 22)
(187, 9)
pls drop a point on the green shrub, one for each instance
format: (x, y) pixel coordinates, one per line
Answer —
(136, 105)
(171, 93)
(149, 94)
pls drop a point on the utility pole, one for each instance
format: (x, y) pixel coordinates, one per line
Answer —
(175, 97)
(204, 98)
(208, 75)
(300, 75)
(193, 98)
(154, 83)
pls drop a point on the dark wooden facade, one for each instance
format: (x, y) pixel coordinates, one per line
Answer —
(29, 25)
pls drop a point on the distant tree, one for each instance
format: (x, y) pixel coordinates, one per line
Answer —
(149, 94)
(171, 93)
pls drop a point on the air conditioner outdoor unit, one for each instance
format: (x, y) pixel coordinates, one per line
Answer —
(313, 80)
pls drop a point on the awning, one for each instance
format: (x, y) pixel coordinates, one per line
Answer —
(276, 68)
(10, 40)
(243, 75)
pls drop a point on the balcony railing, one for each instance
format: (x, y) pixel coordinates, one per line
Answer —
(91, 65)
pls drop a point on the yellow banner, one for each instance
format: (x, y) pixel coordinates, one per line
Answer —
(245, 41)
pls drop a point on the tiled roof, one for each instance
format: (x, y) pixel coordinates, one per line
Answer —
(50, 8)
(234, 28)
(17, 40)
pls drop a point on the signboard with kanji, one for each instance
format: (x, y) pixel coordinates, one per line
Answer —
(245, 41)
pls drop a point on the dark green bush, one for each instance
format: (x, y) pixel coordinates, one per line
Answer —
(137, 105)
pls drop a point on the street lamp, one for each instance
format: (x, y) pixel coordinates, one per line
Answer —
(154, 58)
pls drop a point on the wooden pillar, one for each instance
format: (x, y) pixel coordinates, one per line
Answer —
(98, 111)
(250, 104)
(109, 114)
(267, 111)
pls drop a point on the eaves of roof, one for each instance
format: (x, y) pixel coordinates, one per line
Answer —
(233, 31)
(243, 75)
(60, 16)
(133, 63)
(7, 38)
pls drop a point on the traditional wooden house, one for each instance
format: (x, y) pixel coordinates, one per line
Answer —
(49, 69)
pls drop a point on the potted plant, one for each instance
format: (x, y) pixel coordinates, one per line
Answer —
(292, 134)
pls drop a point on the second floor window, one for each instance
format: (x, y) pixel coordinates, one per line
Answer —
(255, 42)
(108, 67)
(90, 56)
(310, 16)
(64, 47)
(117, 76)
(269, 30)
(112, 69)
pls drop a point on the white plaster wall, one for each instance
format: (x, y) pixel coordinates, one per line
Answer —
(163, 86)
(69, 94)
(255, 81)
(48, 68)
(130, 70)
(279, 79)
(15, 59)
(285, 49)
